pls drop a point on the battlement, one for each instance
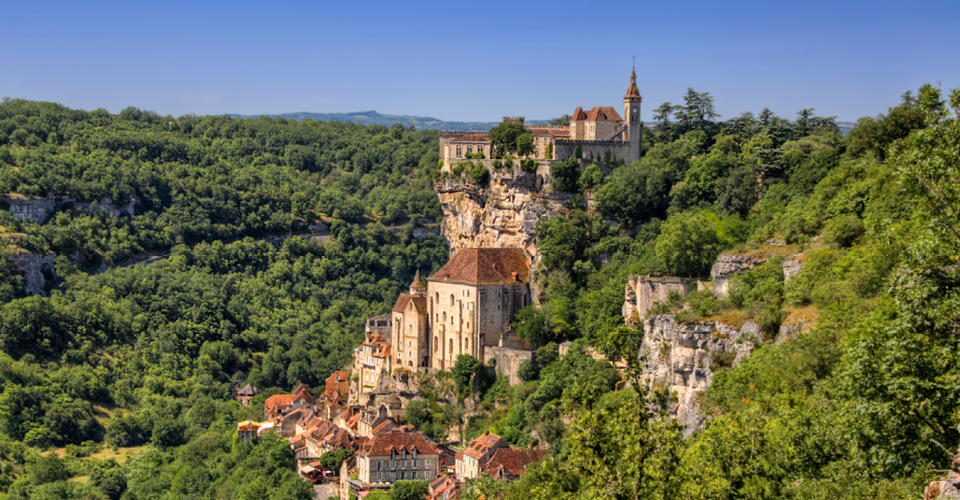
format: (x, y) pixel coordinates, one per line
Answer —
(452, 134)
(583, 142)
(647, 278)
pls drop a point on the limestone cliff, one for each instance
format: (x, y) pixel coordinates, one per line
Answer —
(728, 266)
(502, 214)
(684, 357)
(35, 269)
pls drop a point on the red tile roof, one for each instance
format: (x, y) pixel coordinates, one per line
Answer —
(578, 115)
(512, 462)
(443, 488)
(405, 299)
(277, 402)
(338, 386)
(480, 446)
(485, 266)
(382, 444)
(603, 113)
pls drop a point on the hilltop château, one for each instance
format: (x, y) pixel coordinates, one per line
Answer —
(599, 131)
(462, 309)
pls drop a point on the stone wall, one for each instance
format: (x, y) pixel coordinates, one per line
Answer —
(33, 267)
(728, 266)
(506, 361)
(684, 357)
(643, 292)
(567, 148)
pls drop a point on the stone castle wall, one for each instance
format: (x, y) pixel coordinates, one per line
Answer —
(644, 292)
(567, 148)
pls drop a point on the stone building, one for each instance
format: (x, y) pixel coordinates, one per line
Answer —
(397, 455)
(491, 454)
(472, 300)
(597, 132)
(462, 309)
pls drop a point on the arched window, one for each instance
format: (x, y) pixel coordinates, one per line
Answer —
(434, 343)
(451, 299)
(466, 343)
(451, 346)
(444, 316)
(410, 327)
(438, 298)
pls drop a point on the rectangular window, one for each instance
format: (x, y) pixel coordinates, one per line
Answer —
(380, 477)
(469, 149)
(393, 465)
(413, 464)
(403, 475)
(426, 464)
(459, 150)
(379, 465)
(414, 475)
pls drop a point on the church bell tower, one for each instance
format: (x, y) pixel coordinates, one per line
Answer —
(631, 114)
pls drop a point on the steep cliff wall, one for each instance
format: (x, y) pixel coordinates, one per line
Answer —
(33, 267)
(38, 209)
(728, 266)
(683, 359)
(503, 214)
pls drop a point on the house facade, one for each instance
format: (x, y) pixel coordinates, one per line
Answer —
(397, 455)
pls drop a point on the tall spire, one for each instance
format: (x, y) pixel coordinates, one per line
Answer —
(417, 282)
(632, 90)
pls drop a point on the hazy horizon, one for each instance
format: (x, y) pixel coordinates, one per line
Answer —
(470, 63)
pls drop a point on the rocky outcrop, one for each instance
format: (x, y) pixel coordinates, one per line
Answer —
(108, 206)
(684, 357)
(37, 209)
(792, 266)
(946, 487)
(728, 266)
(31, 208)
(502, 215)
(35, 269)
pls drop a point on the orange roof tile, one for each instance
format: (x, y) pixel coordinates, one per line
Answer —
(382, 444)
(578, 115)
(485, 266)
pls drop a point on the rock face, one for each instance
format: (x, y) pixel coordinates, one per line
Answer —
(38, 209)
(33, 267)
(946, 487)
(31, 208)
(502, 215)
(792, 266)
(728, 266)
(644, 291)
(683, 359)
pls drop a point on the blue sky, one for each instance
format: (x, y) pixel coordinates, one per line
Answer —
(475, 60)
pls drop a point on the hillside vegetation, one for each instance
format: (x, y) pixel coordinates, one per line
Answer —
(861, 405)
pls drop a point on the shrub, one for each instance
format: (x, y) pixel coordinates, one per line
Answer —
(480, 174)
(844, 230)
(459, 167)
(529, 165)
(566, 174)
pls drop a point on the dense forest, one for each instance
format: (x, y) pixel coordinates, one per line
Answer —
(117, 385)
(113, 362)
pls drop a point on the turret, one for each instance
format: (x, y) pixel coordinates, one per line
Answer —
(418, 288)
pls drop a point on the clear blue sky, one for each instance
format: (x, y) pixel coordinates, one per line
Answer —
(475, 60)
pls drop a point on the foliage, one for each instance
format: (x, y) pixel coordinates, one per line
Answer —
(688, 243)
(566, 174)
(409, 489)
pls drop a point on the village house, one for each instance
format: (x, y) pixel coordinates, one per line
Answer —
(275, 405)
(372, 361)
(491, 454)
(247, 430)
(397, 455)
(245, 394)
(444, 488)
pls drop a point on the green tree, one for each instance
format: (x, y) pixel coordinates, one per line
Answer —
(688, 243)
(505, 138)
(414, 489)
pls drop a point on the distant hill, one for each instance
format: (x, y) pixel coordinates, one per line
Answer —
(372, 117)
(426, 123)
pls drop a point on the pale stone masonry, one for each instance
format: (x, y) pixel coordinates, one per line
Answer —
(597, 132)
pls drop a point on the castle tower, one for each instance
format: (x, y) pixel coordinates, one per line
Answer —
(631, 117)
(418, 288)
